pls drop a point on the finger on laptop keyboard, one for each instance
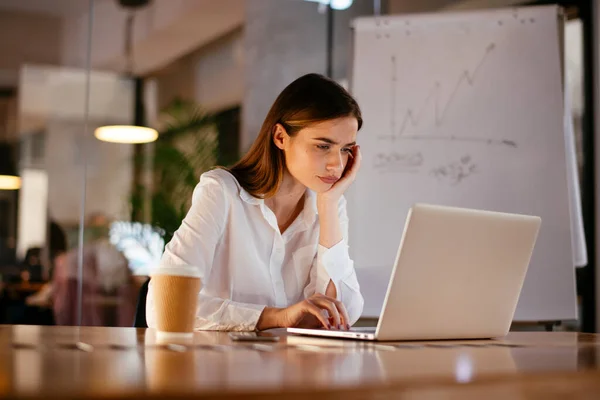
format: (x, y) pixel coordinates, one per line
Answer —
(329, 305)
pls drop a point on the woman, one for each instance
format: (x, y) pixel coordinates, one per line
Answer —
(270, 234)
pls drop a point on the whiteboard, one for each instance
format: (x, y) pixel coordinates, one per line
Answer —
(466, 110)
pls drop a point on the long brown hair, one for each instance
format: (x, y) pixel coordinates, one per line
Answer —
(308, 100)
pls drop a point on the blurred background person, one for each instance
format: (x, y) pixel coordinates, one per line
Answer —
(108, 293)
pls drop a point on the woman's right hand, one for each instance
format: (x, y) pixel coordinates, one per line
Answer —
(301, 314)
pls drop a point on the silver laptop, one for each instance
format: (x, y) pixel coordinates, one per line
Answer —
(458, 275)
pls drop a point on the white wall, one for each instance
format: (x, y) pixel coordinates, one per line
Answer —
(219, 73)
(212, 76)
(284, 40)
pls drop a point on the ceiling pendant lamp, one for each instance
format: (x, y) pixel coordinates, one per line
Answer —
(9, 180)
(136, 133)
(126, 134)
(334, 4)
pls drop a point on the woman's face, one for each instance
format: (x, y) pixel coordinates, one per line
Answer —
(317, 155)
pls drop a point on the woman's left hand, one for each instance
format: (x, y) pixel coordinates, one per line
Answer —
(336, 191)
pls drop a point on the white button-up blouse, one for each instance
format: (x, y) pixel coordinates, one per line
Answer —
(245, 262)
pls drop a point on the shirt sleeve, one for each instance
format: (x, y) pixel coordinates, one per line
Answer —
(335, 264)
(194, 244)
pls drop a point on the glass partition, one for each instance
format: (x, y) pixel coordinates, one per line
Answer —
(90, 217)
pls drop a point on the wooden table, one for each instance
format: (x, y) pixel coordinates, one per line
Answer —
(41, 361)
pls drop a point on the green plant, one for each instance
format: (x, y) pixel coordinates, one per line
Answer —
(187, 146)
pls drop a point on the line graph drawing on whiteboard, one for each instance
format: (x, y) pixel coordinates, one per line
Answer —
(504, 142)
(412, 117)
(440, 110)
